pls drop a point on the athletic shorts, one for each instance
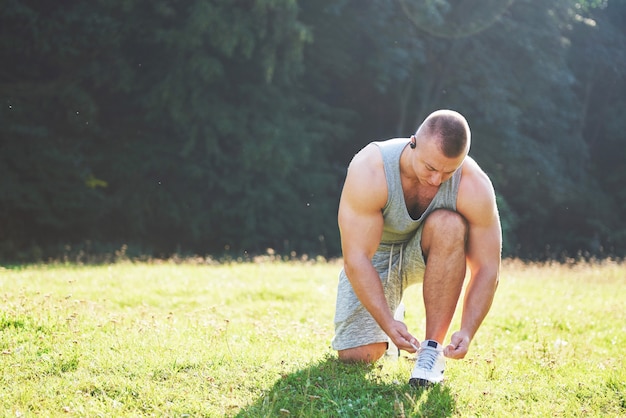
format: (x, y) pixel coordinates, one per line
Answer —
(398, 266)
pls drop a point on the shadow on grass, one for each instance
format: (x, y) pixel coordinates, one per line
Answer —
(330, 388)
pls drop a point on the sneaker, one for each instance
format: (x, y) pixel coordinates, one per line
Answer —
(429, 366)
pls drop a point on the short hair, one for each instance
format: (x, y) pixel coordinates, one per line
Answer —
(450, 128)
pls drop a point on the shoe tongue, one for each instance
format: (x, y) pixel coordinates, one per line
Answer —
(431, 343)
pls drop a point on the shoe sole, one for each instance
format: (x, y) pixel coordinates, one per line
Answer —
(421, 383)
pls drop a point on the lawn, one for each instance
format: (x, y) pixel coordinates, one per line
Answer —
(253, 340)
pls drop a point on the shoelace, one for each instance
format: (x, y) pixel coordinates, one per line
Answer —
(426, 358)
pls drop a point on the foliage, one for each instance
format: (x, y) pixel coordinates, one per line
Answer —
(215, 127)
(205, 339)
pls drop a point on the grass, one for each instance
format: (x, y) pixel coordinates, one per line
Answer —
(253, 340)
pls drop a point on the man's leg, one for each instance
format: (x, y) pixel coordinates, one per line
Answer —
(443, 246)
(365, 353)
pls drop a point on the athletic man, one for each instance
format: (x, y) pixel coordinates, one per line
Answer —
(416, 210)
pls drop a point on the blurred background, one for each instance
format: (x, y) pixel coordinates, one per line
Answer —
(224, 127)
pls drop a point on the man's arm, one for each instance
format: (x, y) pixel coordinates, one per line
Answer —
(361, 225)
(477, 203)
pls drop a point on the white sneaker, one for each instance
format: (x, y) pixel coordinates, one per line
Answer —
(429, 365)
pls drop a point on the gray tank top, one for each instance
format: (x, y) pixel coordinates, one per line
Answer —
(399, 226)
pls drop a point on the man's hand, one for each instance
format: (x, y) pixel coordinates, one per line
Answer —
(459, 344)
(401, 337)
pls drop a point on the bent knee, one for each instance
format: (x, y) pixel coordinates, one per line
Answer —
(364, 354)
(444, 229)
(447, 221)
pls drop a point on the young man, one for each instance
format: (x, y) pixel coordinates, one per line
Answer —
(416, 210)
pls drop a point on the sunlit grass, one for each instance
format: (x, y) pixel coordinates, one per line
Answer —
(253, 339)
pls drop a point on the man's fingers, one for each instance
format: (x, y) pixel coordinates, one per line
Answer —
(403, 339)
(409, 344)
(455, 352)
(449, 350)
(413, 343)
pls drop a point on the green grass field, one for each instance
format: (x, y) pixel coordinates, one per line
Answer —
(253, 340)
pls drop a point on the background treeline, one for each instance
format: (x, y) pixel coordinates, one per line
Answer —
(224, 127)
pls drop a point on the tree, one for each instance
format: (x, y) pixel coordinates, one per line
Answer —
(165, 125)
(598, 56)
(505, 66)
(218, 127)
(49, 187)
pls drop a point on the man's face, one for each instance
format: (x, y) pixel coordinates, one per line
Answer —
(431, 166)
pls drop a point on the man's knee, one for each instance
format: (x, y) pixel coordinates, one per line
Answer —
(446, 227)
(363, 354)
(447, 221)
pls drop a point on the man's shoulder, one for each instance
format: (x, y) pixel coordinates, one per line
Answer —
(393, 142)
(472, 172)
(366, 175)
(476, 199)
(475, 184)
(367, 159)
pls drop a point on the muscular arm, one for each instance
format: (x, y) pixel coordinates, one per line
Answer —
(476, 202)
(361, 226)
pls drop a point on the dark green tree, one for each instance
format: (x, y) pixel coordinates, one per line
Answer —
(170, 126)
(505, 66)
(217, 127)
(598, 57)
(47, 131)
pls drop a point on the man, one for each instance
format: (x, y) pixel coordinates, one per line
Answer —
(416, 210)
